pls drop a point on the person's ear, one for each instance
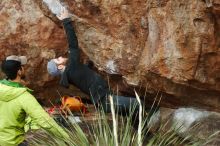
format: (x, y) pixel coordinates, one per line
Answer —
(19, 72)
(22, 68)
(60, 67)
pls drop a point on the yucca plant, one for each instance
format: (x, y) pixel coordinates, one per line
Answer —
(115, 130)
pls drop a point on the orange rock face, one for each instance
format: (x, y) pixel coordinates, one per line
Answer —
(171, 46)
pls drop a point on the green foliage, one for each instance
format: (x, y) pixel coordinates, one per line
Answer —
(100, 133)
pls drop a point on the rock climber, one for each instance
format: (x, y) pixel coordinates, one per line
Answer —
(88, 81)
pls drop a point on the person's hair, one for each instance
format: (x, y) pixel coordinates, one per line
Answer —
(11, 68)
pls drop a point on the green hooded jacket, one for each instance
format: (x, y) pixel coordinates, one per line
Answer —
(16, 103)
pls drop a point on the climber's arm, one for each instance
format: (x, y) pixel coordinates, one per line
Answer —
(71, 36)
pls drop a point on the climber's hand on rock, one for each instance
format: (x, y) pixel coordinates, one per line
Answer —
(63, 14)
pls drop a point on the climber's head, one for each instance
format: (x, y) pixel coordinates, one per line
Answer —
(56, 66)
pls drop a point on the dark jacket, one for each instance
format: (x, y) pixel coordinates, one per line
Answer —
(78, 74)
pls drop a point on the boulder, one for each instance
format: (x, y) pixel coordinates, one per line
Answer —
(166, 46)
(196, 124)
